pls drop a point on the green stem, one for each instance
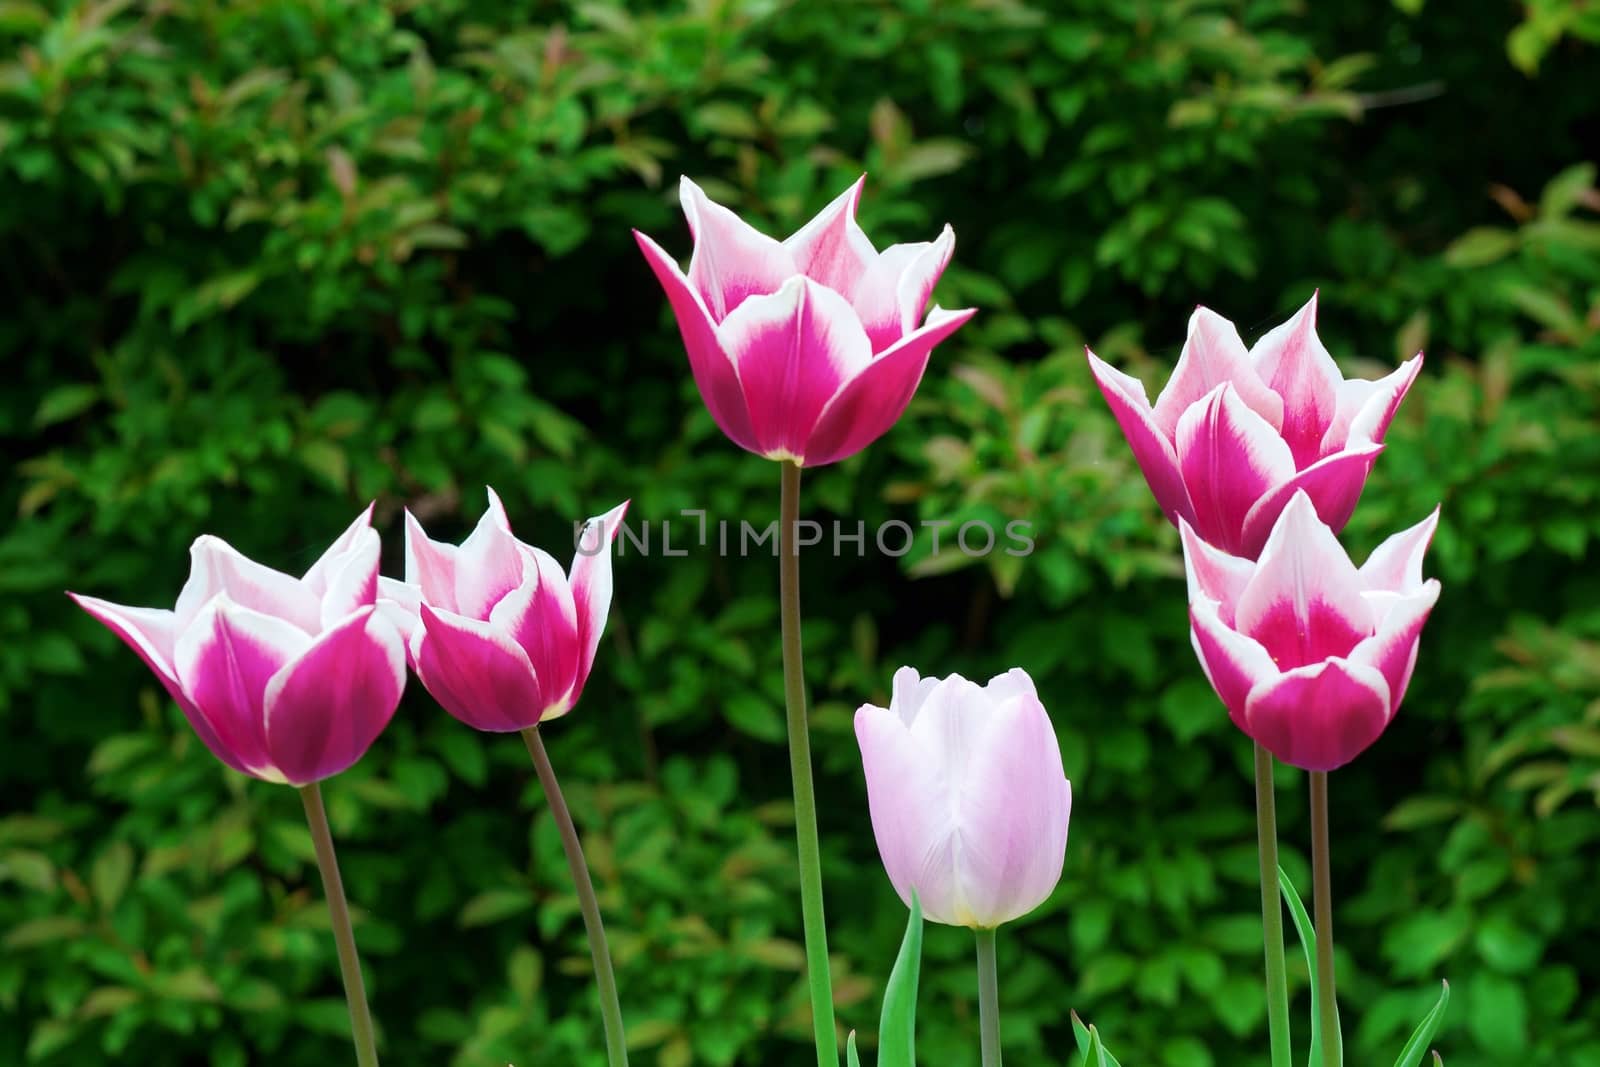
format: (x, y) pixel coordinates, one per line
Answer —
(1272, 910)
(805, 800)
(344, 939)
(1322, 885)
(988, 999)
(604, 977)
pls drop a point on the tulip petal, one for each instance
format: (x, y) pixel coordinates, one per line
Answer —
(831, 249)
(351, 579)
(401, 605)
(1392, 651)
(1233, 663)
(590, 581)
(1304, 602)
(1292, 361)
(1213, 574)
(1229, 457)
(152, 634)
(909, 809)
(872, 401)
(317, 577)
(475, 672)
(713, 370)
(908, 693)
(225, 659)
(430, 566)
(1334, 485)
(1213, 355)
(891, 296)
(1014, 804)
(793, 350)
(1152, 449)
(1365, 409)
(215, 567)
(539, 615)
(732, 260)
(326, 706)
(1396, 565)
(1321, 716)
(488, 563)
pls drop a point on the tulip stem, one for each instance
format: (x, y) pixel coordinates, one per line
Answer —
(805, 800)
(988, 998)
(344, 939)
(605, 978)
(1272, 910)
(1322, 885)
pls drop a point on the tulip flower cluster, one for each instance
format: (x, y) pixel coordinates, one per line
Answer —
(805, 351)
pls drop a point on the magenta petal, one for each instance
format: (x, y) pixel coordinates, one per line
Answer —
(1334, 485)
(831, 249)
(1152, 449)
(540, 616)
(1229, 457)
(1365, 409)
(1292, 361)
(225, 659)
(1233, 663)
(1212, 355)
(488, 563)
(1321, 716)
(1213, 574)
(1392, 651)
(475, 672)
(430, 566)
(891, 296)
(326, 707)
(215, 567)
(793, 350)
(1396, 565)
(713, 370)
(872, 401)
(1303, 603)
(152, 634)
(732, 260)
(590, 581)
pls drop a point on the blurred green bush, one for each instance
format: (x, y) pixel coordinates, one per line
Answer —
(267, 260)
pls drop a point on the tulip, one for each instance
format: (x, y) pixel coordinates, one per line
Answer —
(286, 679)
(808, 349)
(1235, 434)
(499, 635)
(968, 799)
(1310, 654)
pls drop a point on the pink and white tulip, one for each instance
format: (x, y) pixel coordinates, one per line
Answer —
(286, 679)
(1310, 654)
(807, 349)
(498, 633)
(969, 802)
(1236, 433)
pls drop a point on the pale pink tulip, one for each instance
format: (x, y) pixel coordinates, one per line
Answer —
(807, 349)
(286, 679)
(1235, 434)
(1310, 654)
(498, 633)
(969, 803)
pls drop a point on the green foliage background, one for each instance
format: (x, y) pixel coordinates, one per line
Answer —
(267, 260)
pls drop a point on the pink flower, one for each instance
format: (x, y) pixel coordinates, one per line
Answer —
(808, 349)
(1235, 434)
(286, 679)
(1311, 655)
(969, 803)
(499, 634)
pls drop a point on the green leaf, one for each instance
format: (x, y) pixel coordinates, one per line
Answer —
(1308, 938)
(850, 1055)
(1416, 1048)
(64, 402)
(110, 874)
(1563, 192)
(493, 905)
(897, 1029)
(1090, 1046)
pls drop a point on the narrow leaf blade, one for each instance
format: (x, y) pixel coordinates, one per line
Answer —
(1417, 1047)
(897, 1030)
